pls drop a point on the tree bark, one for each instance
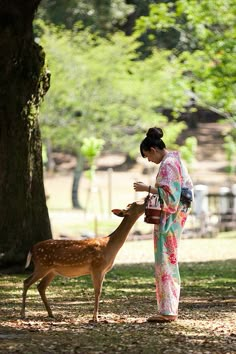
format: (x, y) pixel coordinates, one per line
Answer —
(76, 180)
(24, 81)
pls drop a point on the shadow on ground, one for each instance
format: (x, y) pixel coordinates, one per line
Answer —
(206, 317)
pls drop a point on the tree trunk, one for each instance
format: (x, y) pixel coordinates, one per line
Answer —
(75, 187)
(50, 160)
(24, 81)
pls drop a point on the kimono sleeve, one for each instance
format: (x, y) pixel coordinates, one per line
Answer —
(170, 187)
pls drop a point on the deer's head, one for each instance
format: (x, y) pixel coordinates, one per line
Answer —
(135, 208)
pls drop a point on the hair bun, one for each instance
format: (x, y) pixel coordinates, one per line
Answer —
(155, 133)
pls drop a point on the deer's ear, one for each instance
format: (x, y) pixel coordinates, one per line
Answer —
(118, 212)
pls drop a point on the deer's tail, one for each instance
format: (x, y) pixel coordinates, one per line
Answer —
(29, 256)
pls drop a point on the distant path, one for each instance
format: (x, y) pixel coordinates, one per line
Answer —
(191, 250)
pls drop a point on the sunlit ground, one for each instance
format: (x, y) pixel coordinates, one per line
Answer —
(206, 313)
(206, 321)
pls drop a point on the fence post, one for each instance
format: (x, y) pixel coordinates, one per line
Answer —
(234, 198)
(109, 173)
(224, 202)
(200, 204)
(200, 207)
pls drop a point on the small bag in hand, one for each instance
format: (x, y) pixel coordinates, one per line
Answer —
(153, 209)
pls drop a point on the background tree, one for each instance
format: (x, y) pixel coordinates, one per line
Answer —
(101, 87)
(230, 151)
(106, 17)
(103, 16)
(206, 48)
(97, 82)
(188, 151)
(23, 83)
(91, 149)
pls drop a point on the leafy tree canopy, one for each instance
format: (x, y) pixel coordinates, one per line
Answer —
(100, 16)
(100, 88)
(206, 47)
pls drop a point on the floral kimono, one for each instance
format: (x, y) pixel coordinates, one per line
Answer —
(172, 176)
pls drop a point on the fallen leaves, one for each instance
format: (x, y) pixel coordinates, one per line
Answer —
(206, 322)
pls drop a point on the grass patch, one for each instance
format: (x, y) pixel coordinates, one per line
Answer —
(125, 282)
(218, 277)
(206, 323)
(226, 235)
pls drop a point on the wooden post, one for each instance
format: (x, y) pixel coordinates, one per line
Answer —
(110, 171)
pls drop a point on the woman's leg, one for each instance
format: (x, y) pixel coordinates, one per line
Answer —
(167, 274)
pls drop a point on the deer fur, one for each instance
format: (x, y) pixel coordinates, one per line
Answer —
(76, 258)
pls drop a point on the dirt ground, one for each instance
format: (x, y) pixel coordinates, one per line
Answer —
(206, 323)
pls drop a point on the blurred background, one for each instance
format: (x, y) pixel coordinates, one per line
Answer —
(117, 68)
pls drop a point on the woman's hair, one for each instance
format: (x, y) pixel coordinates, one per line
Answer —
(153, 139)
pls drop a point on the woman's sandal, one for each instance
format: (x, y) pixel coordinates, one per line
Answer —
(162, 318)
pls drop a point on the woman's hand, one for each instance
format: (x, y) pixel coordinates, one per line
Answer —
(140, 187)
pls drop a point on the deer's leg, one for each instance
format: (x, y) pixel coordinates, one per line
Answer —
(27, 283)
(97, 283)
(42, 287)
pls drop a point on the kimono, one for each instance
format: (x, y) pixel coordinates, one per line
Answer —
(172, 176)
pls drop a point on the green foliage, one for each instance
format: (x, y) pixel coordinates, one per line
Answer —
(230, 152)
(100, 16)
(206, 47)
(91, 149)
(188, 150)
(100, 88)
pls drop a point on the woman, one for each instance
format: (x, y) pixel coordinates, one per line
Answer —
(171, 178)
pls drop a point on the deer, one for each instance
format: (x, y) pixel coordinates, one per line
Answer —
(75, 258)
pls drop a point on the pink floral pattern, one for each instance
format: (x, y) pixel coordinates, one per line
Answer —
(172, 258)
(167, 235)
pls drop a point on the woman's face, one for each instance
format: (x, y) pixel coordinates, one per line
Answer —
(154, 155)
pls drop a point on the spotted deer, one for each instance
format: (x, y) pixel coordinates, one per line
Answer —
(81, 257)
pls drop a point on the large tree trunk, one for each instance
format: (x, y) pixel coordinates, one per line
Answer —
(24, 81)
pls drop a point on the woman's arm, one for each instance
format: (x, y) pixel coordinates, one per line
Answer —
(142, 187)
